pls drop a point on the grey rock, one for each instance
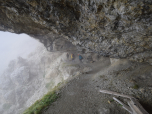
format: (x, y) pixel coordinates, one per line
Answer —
(120, 29)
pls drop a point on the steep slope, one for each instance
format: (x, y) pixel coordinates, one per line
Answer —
(81, 94)
(111, 28)
(23, 82)
(26, 80)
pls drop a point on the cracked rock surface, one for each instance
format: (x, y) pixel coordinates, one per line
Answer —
(114, 28)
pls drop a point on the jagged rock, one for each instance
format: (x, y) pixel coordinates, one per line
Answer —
(68, 70)
(118, 29)
(10, 97)
(23, 81)
(6, 84)
(63, 45)
(52, 73)
(20, 76)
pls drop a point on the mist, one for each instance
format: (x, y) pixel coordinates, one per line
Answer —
(15, 45)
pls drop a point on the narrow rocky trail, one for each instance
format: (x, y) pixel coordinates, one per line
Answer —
(75, 94)
(81, 94)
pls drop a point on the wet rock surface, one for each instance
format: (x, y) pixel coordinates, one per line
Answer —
(118, 29)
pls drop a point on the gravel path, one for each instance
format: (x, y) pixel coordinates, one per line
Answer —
(81, 94)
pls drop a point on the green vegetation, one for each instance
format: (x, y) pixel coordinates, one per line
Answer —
(102, 76)
(111, 100)
(40, 105)
(136, 86)
(120, 105)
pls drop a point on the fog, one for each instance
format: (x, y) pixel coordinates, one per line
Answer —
(14, 45)
(22, 72)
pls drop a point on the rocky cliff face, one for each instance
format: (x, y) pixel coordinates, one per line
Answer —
(114, 28)
(26, 80)
(21, 81)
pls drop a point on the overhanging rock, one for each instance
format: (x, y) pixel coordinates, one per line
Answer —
(114, 28)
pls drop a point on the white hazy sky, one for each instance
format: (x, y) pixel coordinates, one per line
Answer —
(14, 45)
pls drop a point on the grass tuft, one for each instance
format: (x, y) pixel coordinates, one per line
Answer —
(136, 86)
(44, 103)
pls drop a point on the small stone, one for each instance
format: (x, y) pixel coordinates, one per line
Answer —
(142, 90)
(109, 102)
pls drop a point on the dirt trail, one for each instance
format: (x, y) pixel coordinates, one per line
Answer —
(81, 94)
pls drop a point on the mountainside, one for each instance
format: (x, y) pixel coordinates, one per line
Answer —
(23, 82)
(114, 28)
(26, 80)
(119, 29)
